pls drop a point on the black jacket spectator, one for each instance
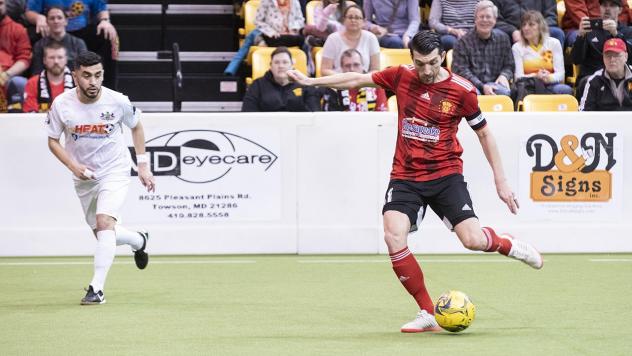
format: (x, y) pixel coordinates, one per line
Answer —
(587, 50)
(265, 94)
(599, 93)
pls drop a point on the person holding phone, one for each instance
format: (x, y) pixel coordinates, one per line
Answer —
(591, 36)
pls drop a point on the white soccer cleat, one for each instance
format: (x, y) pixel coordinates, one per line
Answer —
(423, 322)
(524, 252)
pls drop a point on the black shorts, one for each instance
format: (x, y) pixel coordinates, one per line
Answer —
(447, 196)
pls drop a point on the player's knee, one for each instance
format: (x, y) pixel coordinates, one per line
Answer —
(394, 239)
(105, 222)
(471, 241)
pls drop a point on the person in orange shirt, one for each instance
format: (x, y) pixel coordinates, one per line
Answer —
(41, 89)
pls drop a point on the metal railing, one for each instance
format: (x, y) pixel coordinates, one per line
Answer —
(176, 77)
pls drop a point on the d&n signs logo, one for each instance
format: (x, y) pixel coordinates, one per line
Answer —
(569, 172)
(204, 156)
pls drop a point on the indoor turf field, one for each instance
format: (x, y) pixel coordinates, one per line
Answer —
(313, 305)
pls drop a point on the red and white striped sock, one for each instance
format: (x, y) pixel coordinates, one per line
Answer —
(409, 273)
(496, 243)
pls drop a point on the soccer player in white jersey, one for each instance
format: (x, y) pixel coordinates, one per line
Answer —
(92, 119)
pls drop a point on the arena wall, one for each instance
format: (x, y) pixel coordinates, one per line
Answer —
(314, 183)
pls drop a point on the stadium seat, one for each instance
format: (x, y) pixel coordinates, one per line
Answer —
(393, 57)
(448, 59)
(309, 11)
(250, 12)
(551, 102)
(573, 80)
(495, 103)
(318, 61)
(261, 62)
(561, 10)
(392, 103)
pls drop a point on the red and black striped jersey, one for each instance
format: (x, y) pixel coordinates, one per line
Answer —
(428, 120)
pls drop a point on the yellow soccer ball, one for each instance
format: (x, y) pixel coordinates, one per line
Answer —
(454, 311)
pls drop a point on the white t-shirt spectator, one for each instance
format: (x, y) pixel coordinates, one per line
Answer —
(368, 46)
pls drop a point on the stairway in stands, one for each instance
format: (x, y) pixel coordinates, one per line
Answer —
(205, 31)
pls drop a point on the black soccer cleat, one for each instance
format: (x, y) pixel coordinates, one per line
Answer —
(93, 298)
(140, 256)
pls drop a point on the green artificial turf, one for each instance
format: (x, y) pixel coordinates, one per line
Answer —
(313, 305)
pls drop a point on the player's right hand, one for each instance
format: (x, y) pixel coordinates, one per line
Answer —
(82, 172)
(298, 77)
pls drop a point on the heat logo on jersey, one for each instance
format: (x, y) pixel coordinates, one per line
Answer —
(96, 131)
(418, 129)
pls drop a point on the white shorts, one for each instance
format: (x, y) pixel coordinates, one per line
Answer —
(104, 196)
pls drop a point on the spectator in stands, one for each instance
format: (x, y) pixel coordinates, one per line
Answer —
(352, 36)
(275, 92)
(587, 50)
(43, 88)
(88, 20)
(280, 22)
(576, 10)
(15, 58)
(16, 10)
(451, 19)
(510, 14)
(393, 22)
(483, 56)
(57, 21)
(538, 56)
(327, 20)
(610, 89)
(363, 99)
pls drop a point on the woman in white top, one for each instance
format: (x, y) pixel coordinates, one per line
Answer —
(539, 56)
(352, 36)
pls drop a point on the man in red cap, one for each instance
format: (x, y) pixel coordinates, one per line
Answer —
(610, 89)
(591, 36)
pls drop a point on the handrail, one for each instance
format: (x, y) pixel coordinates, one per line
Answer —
(176, 76)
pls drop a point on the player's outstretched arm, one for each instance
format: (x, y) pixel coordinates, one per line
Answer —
(142, 160)
(488, 142)
(338, 81)
(79, 170)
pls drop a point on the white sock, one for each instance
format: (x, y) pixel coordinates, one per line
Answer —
(128, 237)
(103, 258)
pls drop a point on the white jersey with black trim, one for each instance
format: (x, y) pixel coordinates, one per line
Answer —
(94, 132)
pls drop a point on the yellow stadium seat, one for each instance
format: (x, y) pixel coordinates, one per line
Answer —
(448, 59)
(550, 102)
(309, 11)
(250, 13)
(261, 62)
(392, 103)
(573, 80)
(561, 10)
(393, 57)
(318, 61)
(495, 103)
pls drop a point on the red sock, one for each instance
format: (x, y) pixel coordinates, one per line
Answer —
(409, 273)
(496, 243)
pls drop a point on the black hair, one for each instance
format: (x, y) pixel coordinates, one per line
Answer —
(279, 50)
(87, 59)
(56, 7)
(425, 42)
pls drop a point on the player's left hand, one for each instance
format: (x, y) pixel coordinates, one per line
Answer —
(507, 195)
(108, 30)
(146, 178)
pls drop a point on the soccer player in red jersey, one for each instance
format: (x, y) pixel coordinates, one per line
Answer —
(427, 168)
